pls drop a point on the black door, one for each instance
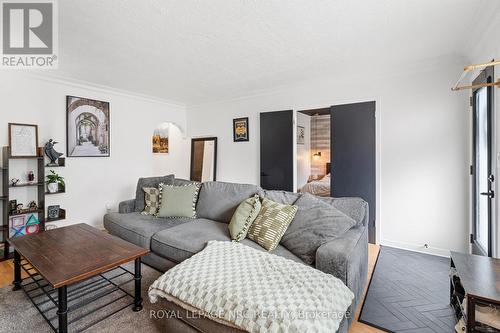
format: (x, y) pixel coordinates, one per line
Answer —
(276, 150)
(353, 157)
(483, 178)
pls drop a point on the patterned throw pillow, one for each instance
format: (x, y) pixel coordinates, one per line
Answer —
(178, 201)
(243, 217)
(152, 200)
(271, 223)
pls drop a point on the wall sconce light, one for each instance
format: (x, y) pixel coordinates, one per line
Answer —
(317, 156)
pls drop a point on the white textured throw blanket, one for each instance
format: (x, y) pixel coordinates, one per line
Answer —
(256, 291)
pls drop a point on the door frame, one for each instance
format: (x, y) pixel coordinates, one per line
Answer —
(486, 76)
(378, 148)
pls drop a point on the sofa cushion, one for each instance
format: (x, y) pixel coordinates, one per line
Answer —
(218, 200)
(178, 201)
(243, 218)
(151, 200)
(282, 197)
(355, 208)
(183, 241)
(271, 223)
(181, 182)
(137, 228)
(315, 224)
(149, 182)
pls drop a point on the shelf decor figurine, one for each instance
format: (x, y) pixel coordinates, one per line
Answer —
(14, 181)
(31, 177)
(51, 153)
(32, 205)
(19, 208)
(53, 182)
(12, 206)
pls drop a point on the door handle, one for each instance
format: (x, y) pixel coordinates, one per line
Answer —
(489, 194)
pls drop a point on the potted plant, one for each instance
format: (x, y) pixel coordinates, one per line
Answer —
(53, 182)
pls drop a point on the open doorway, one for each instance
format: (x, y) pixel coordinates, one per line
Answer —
(314, 152)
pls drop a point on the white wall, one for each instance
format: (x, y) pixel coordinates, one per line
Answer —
(97, 182)
(422, 150)
(304, 151)
(484, 49)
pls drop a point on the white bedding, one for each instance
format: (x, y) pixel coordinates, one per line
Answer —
(318, 187)
(256, 291)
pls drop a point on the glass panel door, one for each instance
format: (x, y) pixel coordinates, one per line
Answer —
(483, 177)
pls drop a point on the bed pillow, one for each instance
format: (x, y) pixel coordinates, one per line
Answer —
(149, 182)
(271, 223)
(243, 217)
(152, 200)
(315, 224)
(178, 201)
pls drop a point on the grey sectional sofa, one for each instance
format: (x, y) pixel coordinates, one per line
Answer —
(173, 240)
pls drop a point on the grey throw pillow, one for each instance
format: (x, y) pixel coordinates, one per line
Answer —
(178, 201)
(315, 224)
(140, 201)
(218, 200)
(282, 197)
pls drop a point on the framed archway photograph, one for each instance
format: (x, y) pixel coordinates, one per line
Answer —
(87, 127)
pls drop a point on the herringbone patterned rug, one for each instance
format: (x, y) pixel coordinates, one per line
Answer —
(409, 293)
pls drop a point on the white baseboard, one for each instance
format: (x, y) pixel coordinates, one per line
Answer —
(416, 248)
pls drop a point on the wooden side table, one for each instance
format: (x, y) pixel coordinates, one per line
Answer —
(478, 282)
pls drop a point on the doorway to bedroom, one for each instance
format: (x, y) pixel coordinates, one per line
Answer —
(336, 154)
(327, 151)
(313, 152)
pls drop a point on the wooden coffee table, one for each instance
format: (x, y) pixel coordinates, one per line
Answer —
(70, 257)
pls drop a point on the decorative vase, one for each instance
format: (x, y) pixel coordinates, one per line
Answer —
(53, 187)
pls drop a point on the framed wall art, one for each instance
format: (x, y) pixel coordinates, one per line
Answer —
(301, 135)
(87, 127)
(23, 140)
(240, 130)
(160, 139)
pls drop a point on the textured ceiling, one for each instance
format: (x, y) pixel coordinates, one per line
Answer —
(194, 51)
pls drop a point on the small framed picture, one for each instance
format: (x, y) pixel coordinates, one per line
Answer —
(53, 212)
(240, 130)
(301, 135)
(23, 140)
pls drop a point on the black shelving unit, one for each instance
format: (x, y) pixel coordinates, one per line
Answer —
(62, 189)
(6, 196)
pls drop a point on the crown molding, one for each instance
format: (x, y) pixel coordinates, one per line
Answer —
(52, 78)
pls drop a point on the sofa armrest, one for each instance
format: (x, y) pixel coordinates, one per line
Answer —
(127, 206)
(346, 258)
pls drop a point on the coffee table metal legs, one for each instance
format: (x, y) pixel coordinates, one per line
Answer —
(62, 310)
(137, 281)
(17, 271)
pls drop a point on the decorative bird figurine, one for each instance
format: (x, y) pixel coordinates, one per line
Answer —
(51, 153)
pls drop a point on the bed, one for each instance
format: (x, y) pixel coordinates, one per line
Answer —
(320, 187)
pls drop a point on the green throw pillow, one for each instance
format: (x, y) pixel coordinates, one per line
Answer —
(271, 223)
(178, 201)
(243, 218)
